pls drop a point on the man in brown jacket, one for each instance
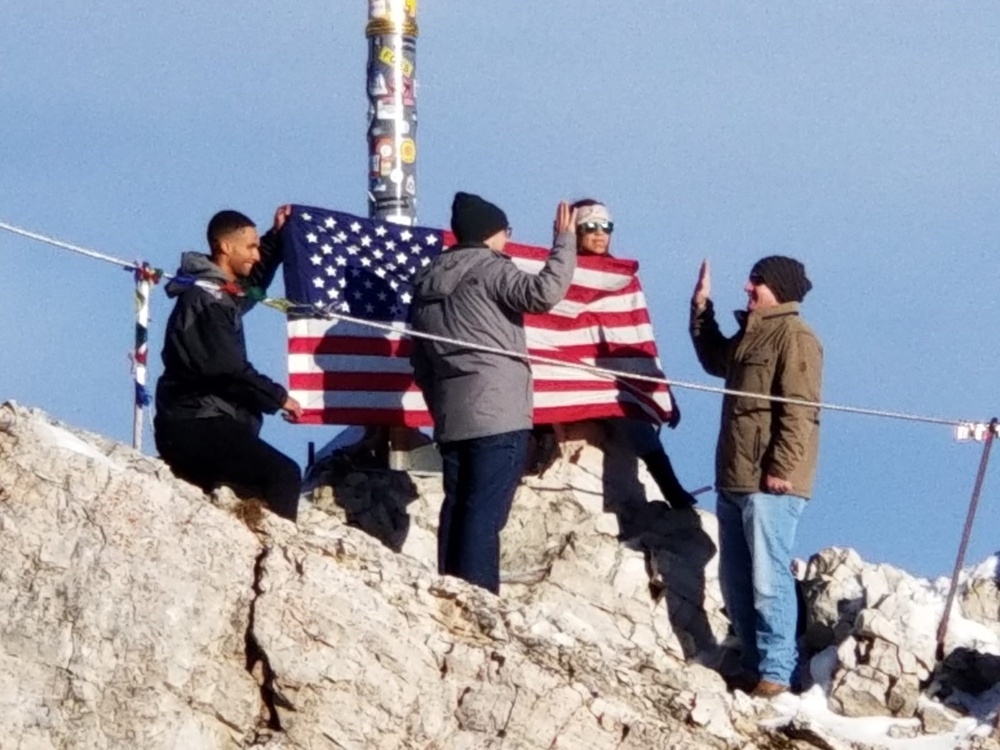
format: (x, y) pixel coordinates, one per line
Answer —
(765, 458)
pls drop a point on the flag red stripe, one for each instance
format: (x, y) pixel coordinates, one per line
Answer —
(588, 294)
(402, 348)
(397, 382)
(390, 417)
(587, 320)
(350, 345)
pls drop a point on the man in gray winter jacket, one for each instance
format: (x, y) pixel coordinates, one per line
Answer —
(481, 402)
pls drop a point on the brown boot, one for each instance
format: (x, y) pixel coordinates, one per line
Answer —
(768, 689)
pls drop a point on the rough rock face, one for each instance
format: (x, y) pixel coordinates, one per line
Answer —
(124, 599)
(584, 549)
(882, 622)
(136, 612)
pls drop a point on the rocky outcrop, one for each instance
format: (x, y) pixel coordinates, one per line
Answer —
(136, 612)
(590, 547)
(881, 623)
(124, 599)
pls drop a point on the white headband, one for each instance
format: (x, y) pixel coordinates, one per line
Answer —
(597, 212)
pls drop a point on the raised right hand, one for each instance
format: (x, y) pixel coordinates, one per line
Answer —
(703, 289)
(565, 218)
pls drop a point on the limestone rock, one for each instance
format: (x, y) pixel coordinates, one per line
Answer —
(862, 691)
(588, 545)
(136, 612)
(935, 718)
(125, 599)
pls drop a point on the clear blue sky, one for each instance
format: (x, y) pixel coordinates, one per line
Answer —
(861, 137)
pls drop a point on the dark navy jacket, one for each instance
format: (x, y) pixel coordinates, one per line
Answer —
(205, 369)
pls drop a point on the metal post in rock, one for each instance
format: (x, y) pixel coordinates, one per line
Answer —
(392, 110)
(143, 285)
(392, 132)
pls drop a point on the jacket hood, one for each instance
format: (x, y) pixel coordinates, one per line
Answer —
(442, 277)
(197, 266)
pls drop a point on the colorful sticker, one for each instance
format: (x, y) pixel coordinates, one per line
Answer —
(387, 55)
(385, 109)
(377, 85)
(384, 151)
(408, 151)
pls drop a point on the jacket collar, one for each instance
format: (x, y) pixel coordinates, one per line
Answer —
(748, 320)
(473, 246)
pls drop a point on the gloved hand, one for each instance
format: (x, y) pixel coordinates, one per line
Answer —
(675, 413)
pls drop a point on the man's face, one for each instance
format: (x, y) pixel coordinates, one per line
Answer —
(498, 241)
(242, 248)
(593, 237)
(759, 294)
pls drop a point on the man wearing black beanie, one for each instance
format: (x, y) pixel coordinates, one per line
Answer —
(765, 459)
(481, 402)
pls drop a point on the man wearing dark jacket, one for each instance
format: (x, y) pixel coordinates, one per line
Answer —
(210, 400)
(765, 459)
(481, 402)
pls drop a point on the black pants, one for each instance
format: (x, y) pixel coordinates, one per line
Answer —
(210, 452)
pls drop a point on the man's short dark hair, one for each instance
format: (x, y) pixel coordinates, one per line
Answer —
(225, 223)
(584, 203)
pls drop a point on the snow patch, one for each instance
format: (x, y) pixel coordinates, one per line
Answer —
(811, 708)
(60, 438)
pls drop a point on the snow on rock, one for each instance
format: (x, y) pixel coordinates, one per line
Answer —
(874, 628)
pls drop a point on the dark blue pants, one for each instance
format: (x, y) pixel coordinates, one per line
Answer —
(480, 478)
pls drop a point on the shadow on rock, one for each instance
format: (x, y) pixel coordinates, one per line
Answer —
(374, 501)
(675, 544)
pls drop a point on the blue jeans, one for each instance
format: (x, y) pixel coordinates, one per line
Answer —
(756, 534)
(480, 478)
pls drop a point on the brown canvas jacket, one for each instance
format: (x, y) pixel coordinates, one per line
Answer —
(774, 353)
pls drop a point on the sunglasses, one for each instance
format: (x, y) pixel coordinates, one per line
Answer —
(589, 227)
(757, 280)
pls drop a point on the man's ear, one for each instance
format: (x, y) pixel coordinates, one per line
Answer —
(223, 246)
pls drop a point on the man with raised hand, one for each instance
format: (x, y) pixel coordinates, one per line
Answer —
(210, 400)
(481, 402)
(765, 459)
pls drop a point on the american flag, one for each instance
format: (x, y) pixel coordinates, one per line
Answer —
(348, 373)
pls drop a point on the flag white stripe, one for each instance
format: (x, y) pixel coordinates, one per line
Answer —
(537, 338)
(315, 364)
(605, 281)
(414, 401)
(316, 328)
(631, 302)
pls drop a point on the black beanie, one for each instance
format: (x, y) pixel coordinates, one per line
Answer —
(785, 276)
(474, 219)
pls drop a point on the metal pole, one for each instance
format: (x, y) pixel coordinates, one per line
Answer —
(970, 517)
(143, 285)
(392, 110)
(392, 133)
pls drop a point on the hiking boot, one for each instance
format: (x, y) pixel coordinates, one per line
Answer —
(768, 689)
(743, 681)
